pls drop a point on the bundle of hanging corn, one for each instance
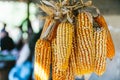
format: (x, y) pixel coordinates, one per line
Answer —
(73, 41)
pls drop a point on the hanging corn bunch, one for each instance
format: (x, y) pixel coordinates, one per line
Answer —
(73, 40)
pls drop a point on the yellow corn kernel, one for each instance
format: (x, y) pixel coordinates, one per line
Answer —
(42, 60)
(85, 43)
(64, 44)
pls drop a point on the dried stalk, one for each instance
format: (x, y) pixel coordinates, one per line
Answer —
(81, 1)
(97, 10)
(48, 31)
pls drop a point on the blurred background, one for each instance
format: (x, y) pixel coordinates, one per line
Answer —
(20, 27)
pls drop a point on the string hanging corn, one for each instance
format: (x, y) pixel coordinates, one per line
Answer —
(85, 43)
(100, 37)
(64, 44)
(42, 60)
(110, 46)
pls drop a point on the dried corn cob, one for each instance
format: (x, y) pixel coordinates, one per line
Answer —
(64, 44)
(85, 43)
(42, 60)
(56, 73)
(110, 46)
(100, 37)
